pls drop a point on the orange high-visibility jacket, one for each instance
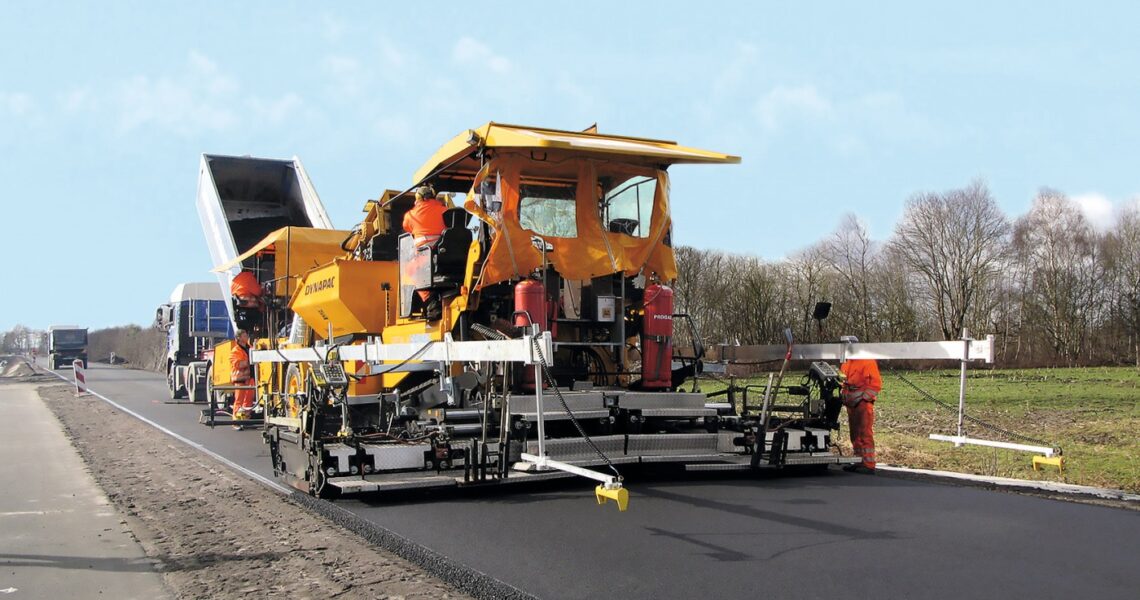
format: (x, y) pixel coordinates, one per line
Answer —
(425, 221)
(239, 365)
(862, 375)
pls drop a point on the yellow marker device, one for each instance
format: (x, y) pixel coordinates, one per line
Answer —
(1055, 461)
(619, 495)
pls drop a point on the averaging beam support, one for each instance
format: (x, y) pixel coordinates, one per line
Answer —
(960, 440)
(609, 488)
(416, 354)
(980, 350)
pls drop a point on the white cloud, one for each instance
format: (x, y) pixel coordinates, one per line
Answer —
(785, 104)
(469, 51)
(276, 111)
(391, 55)
(349, 78)
(1097, 209)
(395, 129)
(569, 90)
(333, 28)
(77, 100)
(17, 104)
(200, 98)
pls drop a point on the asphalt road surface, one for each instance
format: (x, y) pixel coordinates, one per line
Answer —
(825, 536)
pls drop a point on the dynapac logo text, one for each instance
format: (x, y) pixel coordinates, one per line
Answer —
(317, 286)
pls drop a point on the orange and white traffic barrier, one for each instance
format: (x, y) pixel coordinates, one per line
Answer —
(80, 380)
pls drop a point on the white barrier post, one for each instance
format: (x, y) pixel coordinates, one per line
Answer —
(80, 380)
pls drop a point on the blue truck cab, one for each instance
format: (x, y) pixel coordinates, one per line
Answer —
(196, 319)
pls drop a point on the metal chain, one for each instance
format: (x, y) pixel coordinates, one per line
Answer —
(573, 419)
(974, 420)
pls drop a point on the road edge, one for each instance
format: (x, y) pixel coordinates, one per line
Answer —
(1046, 488)
(456, 574)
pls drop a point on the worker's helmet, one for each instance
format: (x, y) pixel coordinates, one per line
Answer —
(425, 192)
(245, 284)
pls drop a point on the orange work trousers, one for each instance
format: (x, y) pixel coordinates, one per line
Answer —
(243, 402)
(861, 419)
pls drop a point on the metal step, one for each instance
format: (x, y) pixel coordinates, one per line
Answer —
(660, 400)
(678, 413)
(557, 414)
(644, 445)
(359, 486)
(577, 401)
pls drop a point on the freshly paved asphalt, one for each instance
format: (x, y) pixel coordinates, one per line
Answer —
(826, 536)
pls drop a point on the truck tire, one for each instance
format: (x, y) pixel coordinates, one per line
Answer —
(171, 382)
(197, 383)
(209, 383)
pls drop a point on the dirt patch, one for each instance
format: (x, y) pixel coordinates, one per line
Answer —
(215, 534)
(17, 369)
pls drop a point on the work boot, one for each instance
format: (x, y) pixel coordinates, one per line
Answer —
(859, 469)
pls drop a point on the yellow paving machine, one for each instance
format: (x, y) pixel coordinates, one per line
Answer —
(552, 350)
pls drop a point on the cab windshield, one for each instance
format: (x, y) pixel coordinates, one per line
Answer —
(628, 204)
(548, 208)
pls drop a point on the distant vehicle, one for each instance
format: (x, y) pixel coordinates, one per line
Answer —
(66, 343)
(196, 319)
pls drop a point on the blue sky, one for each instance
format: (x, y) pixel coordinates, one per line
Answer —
(835, 107)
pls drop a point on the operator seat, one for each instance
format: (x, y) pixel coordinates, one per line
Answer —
(449, 257)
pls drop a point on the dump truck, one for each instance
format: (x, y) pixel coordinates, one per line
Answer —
(196, 320)
(66, 343)
(247, 206)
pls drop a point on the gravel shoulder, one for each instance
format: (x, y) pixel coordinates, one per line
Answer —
(215, 534)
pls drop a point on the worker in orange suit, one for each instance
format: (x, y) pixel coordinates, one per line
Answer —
(861, 386)
(241, 373)
(249, 305)
(425, 223)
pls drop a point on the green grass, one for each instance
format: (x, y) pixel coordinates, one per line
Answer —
(1093, 414)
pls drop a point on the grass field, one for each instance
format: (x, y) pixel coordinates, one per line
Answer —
(1093, 414)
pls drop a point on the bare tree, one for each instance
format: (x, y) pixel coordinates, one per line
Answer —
(954, 242)
(1061, 255)
(851, 254)
(896, 310)
(806, 281)
(1123, 249)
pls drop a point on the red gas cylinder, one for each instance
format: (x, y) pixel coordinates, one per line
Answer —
(530, 308)
(657, 338)
(530, 298)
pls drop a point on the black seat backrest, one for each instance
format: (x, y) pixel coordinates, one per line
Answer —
(455, 218)
(451, 252)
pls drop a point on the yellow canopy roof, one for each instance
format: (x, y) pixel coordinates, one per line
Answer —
(305, 247)
(629, 149)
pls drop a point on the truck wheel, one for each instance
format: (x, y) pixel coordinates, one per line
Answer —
(197, 391)
(294, 392)
(171, 382)
(209, 383)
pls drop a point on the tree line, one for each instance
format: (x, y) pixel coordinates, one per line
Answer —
(143, 347)
(1053, 289)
